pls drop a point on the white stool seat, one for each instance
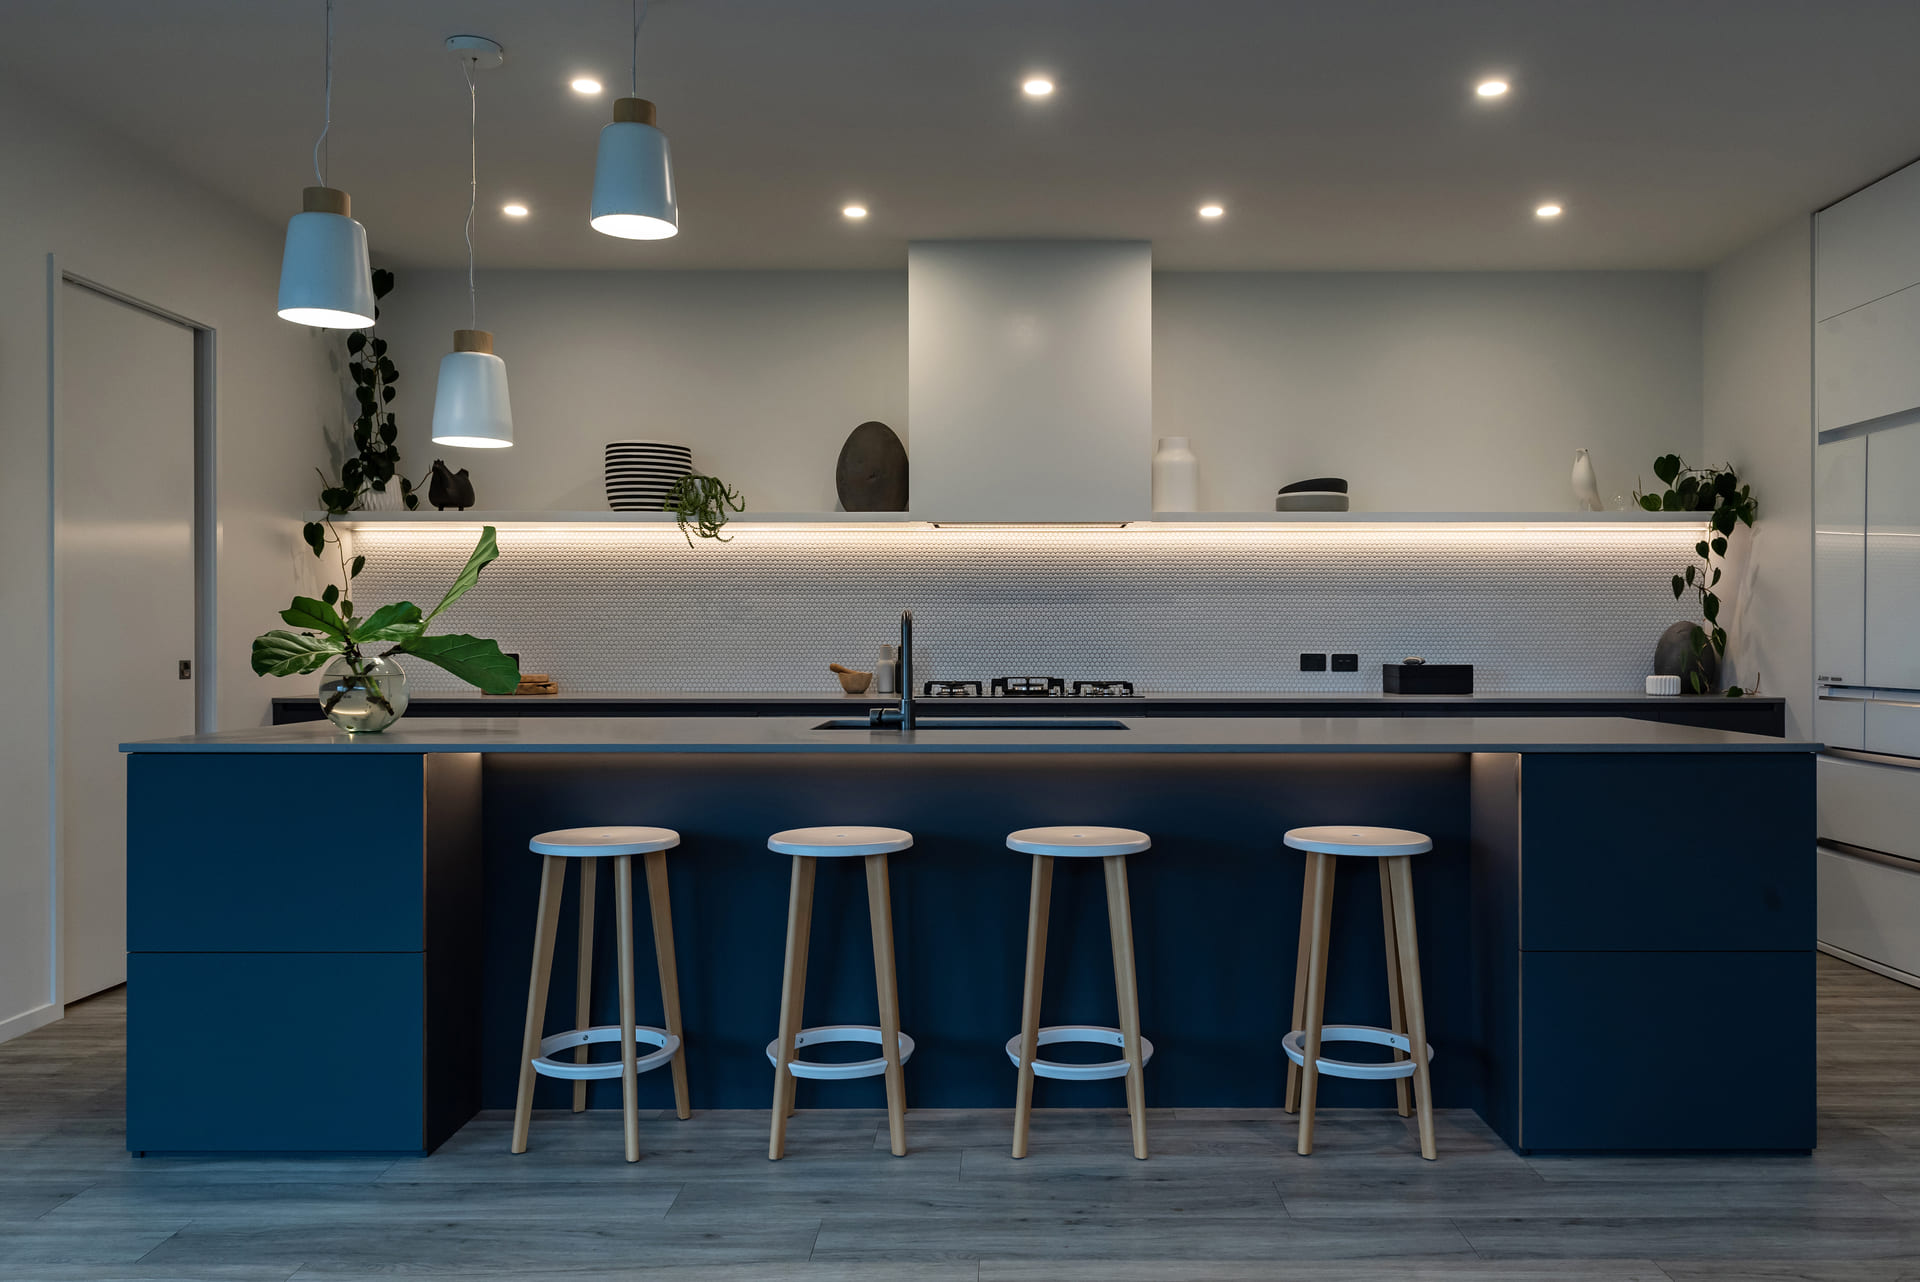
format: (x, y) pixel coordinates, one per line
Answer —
(1354, 839)
(1078, 843)
(589, 842)
(834, 843)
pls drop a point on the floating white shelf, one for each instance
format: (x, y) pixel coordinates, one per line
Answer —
(481, 517)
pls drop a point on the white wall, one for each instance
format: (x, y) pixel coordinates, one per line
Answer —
(1461, 391)
(763, 373)
(1434, 392)
(112, 217)
(1758, 363)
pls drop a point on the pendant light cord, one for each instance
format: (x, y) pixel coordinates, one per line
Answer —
(320, 143)
(473, 185)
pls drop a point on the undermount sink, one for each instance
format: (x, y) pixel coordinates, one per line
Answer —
(983, 723)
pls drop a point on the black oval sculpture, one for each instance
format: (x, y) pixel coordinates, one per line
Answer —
(1673, 657)
(872, 473)
(449, 489)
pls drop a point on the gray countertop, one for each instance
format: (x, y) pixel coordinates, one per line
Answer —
(1147, 734)
(1148, 699)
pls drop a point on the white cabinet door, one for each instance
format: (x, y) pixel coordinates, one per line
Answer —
(1839, 585)
(1867, 361)
(1866, 245)
(1893, 558)
(124, 596)
(1030, 380)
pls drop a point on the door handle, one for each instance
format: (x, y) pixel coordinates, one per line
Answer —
(186, 669)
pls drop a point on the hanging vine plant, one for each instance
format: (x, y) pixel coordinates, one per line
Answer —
(373, 466)
(1716, 491)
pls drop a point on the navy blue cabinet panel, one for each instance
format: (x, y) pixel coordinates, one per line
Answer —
(275, 1052)
(1681, 851)
(1667, 1051)
(276, 852)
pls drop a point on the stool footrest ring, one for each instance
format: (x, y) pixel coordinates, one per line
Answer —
(547, 1066)
(1079, 1033)
(838, 1033)
(1295, 1044)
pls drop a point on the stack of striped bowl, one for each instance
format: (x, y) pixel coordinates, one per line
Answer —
(639, 473)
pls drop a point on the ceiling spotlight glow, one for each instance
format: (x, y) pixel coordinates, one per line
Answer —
(1492, 88)
(854, 211)
(514, 211)
(1211, 211)
(1548, 210)
(1037, 87)
(586, 85)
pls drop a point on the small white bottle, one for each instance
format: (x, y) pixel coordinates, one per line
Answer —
(1176, 476)
(886, 673)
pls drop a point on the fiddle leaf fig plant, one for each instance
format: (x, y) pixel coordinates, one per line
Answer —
(327, 626)
(1717, 492)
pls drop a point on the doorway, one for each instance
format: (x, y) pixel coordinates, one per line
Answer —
(131, 428)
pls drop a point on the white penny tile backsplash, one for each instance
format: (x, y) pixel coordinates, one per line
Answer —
(607, 609)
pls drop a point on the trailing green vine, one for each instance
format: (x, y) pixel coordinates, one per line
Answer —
(701, 502)
(1717, 492)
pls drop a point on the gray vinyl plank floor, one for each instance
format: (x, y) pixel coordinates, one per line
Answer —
(1224, 1198)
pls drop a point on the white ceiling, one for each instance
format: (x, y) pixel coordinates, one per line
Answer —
(1339, 134)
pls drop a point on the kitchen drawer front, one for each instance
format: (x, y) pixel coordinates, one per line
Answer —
(274, 852)
(1871, 907)
(1615, 853)
(1863, 363)
(275, 1052)
(1667, 1051)
(1863, 803)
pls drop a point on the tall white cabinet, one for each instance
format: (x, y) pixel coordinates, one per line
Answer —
(1867, 571)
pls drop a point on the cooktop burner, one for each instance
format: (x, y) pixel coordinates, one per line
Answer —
(1028, 688)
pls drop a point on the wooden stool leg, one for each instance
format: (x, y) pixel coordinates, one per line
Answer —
(1120, 929)
(1402, 875)
(880, 909)
(583, 971)
(1396, 1016)
(547, 924)
(629, 1059)
(793, 991)
(1300, 963)
(1316, 994)
(662, 910)
(1038, 905)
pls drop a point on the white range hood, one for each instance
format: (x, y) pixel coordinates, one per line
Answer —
(1030, 380)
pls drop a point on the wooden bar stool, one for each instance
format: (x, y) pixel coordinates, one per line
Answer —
(1111, 846)
(807, 845)
(1393, 849)
(539, 1055)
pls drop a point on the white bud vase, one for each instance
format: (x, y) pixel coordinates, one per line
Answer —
(1585, 488)
(1176, 476)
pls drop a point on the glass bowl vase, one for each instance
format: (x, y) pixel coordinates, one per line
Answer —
(364, 695)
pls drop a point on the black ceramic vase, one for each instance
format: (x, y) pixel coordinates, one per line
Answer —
(1673, 657)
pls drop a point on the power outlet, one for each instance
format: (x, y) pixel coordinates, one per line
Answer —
(1313, 663)
(1346, 663)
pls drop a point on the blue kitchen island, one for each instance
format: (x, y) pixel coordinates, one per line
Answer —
(330, 937)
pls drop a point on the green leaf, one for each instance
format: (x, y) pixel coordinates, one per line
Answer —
(473, 659)
(337, 500)
(355, 341)
(379, 347)
(1690, 570)
(1710, 606)
(1679, 586)
(1735, 692)
(399, 621)
(315, 616)
(1666, 467)
(485, 552)
(331, 595)
(1723, 519)
(382, 282)
(386, 395)
(1719, 547)
(1720, 640)
(1650, 502)
(316, 536)
(282, 654)
(1698, 682)
(359, 564)
(1716, 577)
(1700, 548)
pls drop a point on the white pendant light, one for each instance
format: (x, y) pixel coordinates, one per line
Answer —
(325, 277)
(633, 174)
(470, 406)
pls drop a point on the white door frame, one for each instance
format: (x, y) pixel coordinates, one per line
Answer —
(205, 560)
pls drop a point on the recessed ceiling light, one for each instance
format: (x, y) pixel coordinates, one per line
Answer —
(1211, 211)
(855, 211)
(1037, 87)
(1548, 210)
(514, 211)
(585, 85)
(1493, 87)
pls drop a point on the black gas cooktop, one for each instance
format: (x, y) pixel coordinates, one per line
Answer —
(1027, 688)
